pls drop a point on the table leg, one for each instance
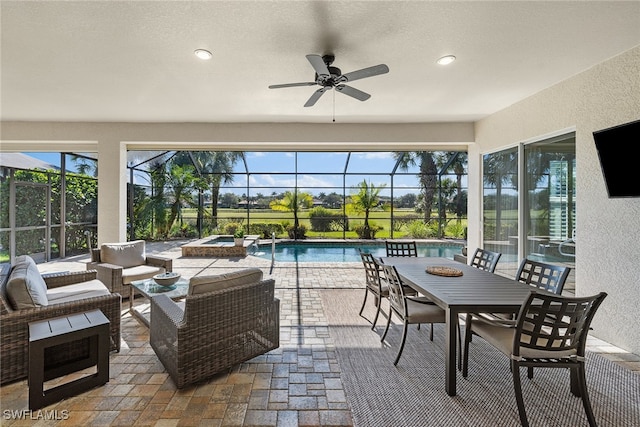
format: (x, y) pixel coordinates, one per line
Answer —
(451, 347)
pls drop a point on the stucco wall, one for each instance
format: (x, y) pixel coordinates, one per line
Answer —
(607, 230)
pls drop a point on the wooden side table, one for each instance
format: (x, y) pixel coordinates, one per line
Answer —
(61, 330)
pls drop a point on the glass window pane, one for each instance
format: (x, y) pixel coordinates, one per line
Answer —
(500, 208)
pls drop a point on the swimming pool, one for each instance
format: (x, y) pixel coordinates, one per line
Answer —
(345, 251)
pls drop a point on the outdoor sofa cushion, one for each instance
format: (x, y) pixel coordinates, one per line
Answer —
(77, 292)
(204, 284)
(128, 254)
(26, 287)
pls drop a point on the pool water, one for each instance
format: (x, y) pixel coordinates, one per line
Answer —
(345, 252)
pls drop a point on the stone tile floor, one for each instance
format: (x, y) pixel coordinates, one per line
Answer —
(296, 385)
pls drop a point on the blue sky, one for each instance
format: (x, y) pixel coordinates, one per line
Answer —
(318, 172)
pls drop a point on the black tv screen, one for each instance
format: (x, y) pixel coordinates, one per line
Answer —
(618, 159)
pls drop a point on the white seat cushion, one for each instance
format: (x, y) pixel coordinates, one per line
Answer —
(140, 272)
(77, 291)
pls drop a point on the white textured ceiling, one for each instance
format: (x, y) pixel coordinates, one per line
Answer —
(133, 60)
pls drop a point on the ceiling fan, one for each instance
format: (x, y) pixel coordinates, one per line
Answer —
(331, 77)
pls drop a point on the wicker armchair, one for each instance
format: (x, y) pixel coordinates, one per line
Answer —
(119, 264)
(14, 330)
(215, 330)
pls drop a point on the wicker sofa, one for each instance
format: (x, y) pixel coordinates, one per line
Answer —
(27, 296)
(119, 264)
(224, 320)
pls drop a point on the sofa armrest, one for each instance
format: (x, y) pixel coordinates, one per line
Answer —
(158, 261)
(55, 280)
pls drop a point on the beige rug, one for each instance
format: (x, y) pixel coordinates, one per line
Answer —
(412, 394)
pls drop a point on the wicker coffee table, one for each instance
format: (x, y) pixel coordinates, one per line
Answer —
(148, 288)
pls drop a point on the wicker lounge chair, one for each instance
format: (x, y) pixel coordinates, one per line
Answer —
(224, 320)
(119, 264)
(67, 293)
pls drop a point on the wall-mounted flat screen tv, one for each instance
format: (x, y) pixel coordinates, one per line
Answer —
(618, 159)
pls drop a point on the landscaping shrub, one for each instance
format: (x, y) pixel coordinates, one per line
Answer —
(321, 219)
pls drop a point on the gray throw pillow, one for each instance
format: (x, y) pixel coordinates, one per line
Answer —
(26, 288)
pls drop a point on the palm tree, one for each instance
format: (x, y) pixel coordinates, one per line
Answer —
(293, 201)
(182, 183)
(428, 175)
(364, 201)
(217, 169)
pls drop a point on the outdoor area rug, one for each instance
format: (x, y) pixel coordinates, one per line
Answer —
(413, 394)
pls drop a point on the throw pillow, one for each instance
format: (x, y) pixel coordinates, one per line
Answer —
(129, 254)
(26, 288)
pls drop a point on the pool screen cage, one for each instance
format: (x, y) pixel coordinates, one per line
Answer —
(189, 194)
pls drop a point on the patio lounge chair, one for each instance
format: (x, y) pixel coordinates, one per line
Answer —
(119, 264)
(224, 320)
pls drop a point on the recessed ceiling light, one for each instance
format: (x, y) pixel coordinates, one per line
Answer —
(203, 54)
(446, 60)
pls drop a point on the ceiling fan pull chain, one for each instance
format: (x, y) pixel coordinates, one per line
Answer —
(334, 106)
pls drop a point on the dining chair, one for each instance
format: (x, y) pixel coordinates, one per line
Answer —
(542, 275)
(410, 310)
(401, 248)
(485, 259)
(373, 285)
(550, 331)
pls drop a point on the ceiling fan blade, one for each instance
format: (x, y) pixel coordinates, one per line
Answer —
(316, 95)
(365, 72)
(292, 85)
(318, 64)
(353, 92)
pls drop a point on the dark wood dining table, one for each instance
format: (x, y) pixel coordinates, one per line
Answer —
(475, 291)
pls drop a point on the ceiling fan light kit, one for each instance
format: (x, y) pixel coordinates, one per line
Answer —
(329, 77)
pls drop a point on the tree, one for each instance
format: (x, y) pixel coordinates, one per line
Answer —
(428, 175)
(217, 169)
(366, 199)
(181, 182)
(293, 202)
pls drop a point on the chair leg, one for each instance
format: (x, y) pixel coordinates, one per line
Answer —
(378, 305)
(586, 402)
(366, 293)
(459, 345)
(404, 338)
(465, 351)
(515, 370)
(530, 372)
(431, 332)
(387, 328)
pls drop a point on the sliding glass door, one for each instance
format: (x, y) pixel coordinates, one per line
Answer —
(529, 203)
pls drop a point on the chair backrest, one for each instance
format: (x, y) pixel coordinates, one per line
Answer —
(542, 275)
(485, 260)
(555, 325)
(396, 290)
(371, 270)
(400, 248)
